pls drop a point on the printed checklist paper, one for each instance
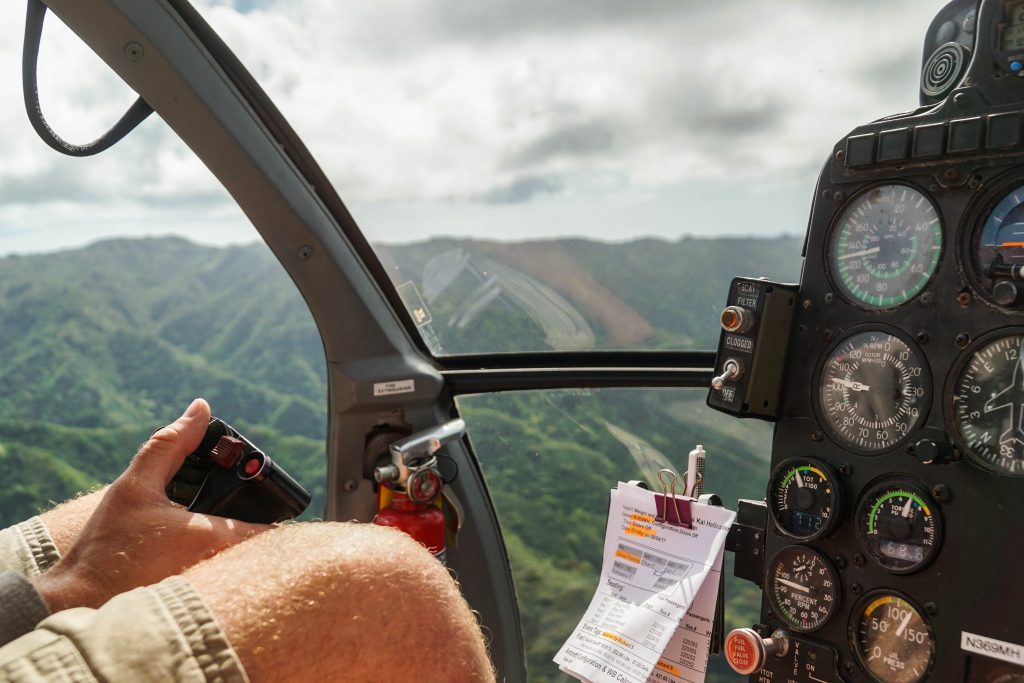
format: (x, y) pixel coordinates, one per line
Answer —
(652, 614)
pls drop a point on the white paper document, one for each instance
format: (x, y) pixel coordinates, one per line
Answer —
(652, 614)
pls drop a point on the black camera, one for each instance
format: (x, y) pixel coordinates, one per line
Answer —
(228, 476)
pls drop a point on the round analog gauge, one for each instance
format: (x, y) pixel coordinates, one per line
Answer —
(803, 587)
(874, 391)
(898, 527)
(893, 642)
(804, 498)
(997, 250)
(988, 404)
(885, 246)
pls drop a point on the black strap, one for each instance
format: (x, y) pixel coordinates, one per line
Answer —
(135, 115)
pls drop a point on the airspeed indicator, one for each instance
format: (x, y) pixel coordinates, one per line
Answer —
(885, 247)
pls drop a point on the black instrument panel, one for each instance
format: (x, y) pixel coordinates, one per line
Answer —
(904, 384)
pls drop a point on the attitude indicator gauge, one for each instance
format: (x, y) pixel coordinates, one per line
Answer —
(874, 390)
(804, 498)
(885, 247)
(996, 251)
(893, 641)
(988, 403)
(898, 526)
(803, 587)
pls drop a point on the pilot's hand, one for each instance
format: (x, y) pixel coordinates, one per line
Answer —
(136, 536)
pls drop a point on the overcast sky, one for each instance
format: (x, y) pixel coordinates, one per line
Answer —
(610, 119)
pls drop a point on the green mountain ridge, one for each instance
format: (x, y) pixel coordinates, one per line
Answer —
(114, 334)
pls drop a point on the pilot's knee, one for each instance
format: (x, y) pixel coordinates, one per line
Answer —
(350, 550)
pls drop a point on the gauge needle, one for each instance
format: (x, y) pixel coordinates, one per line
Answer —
(903, 626)
(906, 508)
(799, 569)
(793, 584)
(862, 252)
(799, 480)
(856, 386)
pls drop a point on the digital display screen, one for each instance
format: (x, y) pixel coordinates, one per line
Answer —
(902, 551)
(804, 521)
(1013, 28)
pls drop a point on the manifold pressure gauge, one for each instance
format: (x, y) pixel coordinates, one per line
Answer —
(988, 403)
(885, 246)
(874, 391)
(804, 498)
(803, 587)
(893, 641)
(898, 526)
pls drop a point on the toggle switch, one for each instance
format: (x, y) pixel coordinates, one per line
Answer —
(731, 371)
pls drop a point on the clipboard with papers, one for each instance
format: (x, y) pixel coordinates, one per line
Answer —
(653, 613)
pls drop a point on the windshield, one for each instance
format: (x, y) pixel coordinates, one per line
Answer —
(577, 175)
(534, 176)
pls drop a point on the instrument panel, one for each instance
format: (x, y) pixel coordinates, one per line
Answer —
(896, 500)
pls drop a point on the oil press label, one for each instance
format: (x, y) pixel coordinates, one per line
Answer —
(405, 386)
(990, 647)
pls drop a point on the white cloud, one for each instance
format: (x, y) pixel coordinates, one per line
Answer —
(445, 115)
(449, 104)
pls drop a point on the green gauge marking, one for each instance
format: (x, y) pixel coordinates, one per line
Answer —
(886, 246)
(897, 527)
(803, 498)
(916, 501)
(806, 469)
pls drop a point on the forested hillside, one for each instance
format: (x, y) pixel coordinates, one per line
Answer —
(103, 344)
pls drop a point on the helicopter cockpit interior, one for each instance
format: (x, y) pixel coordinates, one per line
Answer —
(863, 413)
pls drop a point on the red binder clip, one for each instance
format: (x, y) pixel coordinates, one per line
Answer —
(670, 508)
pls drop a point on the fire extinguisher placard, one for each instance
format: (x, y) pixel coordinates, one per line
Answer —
(652, 615)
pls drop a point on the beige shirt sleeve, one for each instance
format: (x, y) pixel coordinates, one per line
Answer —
(27, 548)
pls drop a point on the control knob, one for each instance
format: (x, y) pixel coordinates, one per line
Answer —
(746, 651)
(737, 319)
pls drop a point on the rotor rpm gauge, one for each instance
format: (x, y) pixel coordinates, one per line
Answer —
(874, 391)
(988, 404)
(893, 641)
(804, 498)
(885, 246)
(898, 526)
(803, 587)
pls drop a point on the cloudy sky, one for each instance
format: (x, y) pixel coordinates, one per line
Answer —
(610, 119)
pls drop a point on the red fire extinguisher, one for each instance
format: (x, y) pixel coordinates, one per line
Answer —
(409, 497)
(421, 516)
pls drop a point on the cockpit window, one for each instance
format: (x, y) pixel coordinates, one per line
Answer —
(576, 175)
(550, 458)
